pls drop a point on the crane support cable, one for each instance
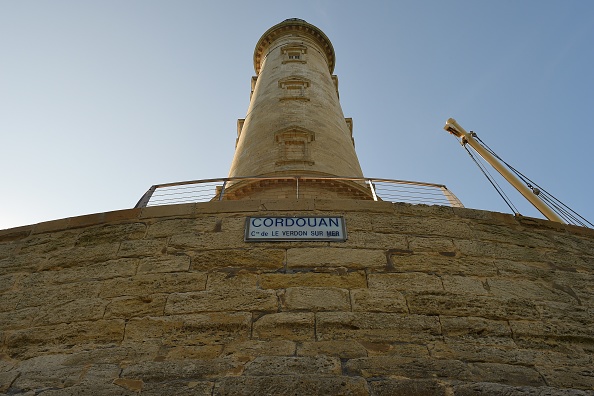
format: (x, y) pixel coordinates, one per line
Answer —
(493, 182)
(564, 211)
(455, 129)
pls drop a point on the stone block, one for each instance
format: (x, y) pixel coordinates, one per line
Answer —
(78, 310)
(552, 333)
(315, 299)
(167, 211)
(291, 384)
(253, 348)
(435, 244)
(236, 279)
(376, 300)
(56, 295)
(80, 255)
(466, 285)
(408, 387)
(477, 350)
(396, 348)
(422, 226)
(491, 389)
(147, 284)
(508, 251)
(252, 258)
(196, 369)
(197, 329)
(184, 352)
(404, 282)
(164, 228)
(35, 341)
(572, 376)
(348, 349)
(488, 307)
(343, 280)
(335, 257)
(295, 326)
(431, 263)
(374, 240)
(293, 365)
(88, 273)
(477, 330)
(222, 300)
(376, 327)
(533, 290)
(143, 248)
(407, 367)
(506, 374)
(178, 388)
(111, 233)
(162, 264)
(135, 306)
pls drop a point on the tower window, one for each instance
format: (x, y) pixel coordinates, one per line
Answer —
(294, 87)
(294, 53)
(293, 146)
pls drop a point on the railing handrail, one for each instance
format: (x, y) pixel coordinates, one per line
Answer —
(451, 198)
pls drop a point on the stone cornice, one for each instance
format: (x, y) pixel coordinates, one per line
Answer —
(286, 27)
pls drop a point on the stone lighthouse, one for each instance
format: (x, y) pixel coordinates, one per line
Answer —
(295, 125)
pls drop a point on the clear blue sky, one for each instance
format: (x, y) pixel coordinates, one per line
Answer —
(101, 99)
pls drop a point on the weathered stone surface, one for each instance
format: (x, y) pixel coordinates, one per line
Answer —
(263, 259)
(63, 337)
(477, 330)
(196, 329)
(421, 226)
(80, 255)
(291, 365)
(471, 305)
(344, 280)
(506, 374)
(160, 264)
(198, 369)
(135, 306)
(335, 257)
(253, 348)
(164, 228)
(178, 388)
(147, 284)
(110, 233)
(376, 327)
(493, 389)
(506, 309)
(406, 387)
(347, 349)
(405, 282)
(381, 366)
(222, 300)
(142, 248)
(315, 299)
(291, 384)
(240, 279)
(378, 300)
(296, 326)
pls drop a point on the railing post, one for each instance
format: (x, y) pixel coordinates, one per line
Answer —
(372, 188)
(452, 199)
(222, 190)
(297, 180)
(144, 200)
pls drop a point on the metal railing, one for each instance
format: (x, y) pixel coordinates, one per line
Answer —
(279, 187)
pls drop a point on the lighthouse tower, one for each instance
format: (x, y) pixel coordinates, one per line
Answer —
(295, 125)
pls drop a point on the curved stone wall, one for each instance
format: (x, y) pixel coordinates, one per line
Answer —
(419, 300)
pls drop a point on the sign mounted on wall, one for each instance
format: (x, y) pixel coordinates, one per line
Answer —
(310, 228)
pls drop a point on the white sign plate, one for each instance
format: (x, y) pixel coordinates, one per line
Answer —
(309, 228)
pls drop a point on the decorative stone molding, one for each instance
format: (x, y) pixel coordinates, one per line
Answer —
(294, 88)
(294, 52)
(293, 146)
